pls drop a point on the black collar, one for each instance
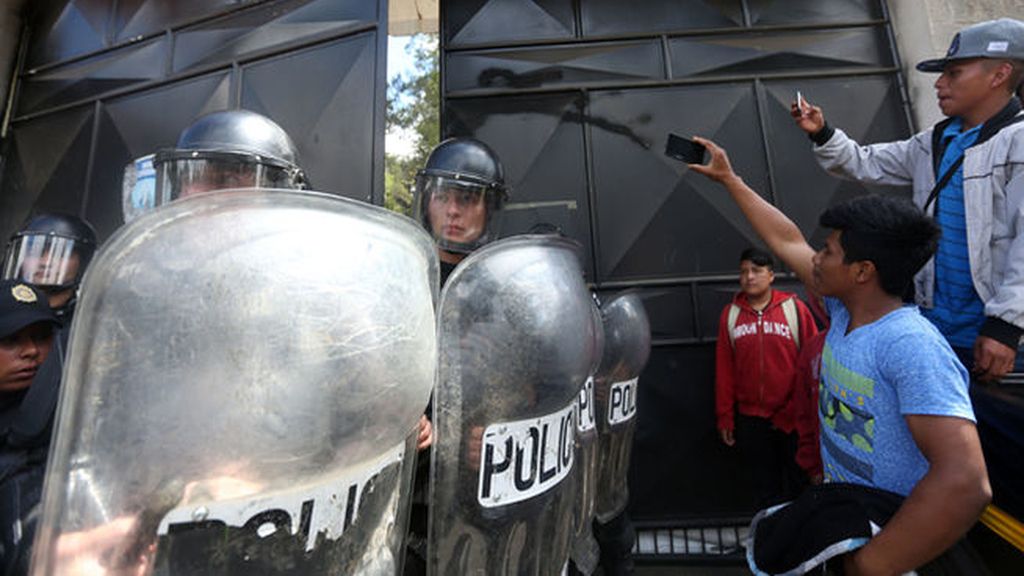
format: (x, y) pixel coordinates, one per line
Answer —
(991, 127)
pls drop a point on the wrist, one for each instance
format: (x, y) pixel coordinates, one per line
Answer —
(862, 561)
(732, 179)
(823, 135)
(1001, 331)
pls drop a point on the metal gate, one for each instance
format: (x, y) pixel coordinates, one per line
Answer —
(101, 82)
(577, 97)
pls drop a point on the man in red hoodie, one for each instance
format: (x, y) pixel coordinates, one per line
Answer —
(759, 338)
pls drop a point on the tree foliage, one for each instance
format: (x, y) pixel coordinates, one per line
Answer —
(413, 108)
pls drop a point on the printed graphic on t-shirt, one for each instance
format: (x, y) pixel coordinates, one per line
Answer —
(848, 428)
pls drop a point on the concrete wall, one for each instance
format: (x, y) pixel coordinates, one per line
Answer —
(412, 17)
(924, 29)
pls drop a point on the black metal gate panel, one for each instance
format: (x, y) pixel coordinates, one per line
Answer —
(578, 96)
(101, 82)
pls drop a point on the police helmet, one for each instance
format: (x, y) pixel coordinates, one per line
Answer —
(50, 252)
(460, 193)
(218, 151)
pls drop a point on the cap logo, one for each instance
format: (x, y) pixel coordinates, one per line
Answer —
(23, 293)
(1002, 46)
(954, 46)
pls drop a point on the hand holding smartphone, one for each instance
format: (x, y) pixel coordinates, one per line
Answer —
(801, 104)
(684, 149)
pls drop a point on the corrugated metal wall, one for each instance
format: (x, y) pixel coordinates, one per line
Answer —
(577, 97)
(101, 82)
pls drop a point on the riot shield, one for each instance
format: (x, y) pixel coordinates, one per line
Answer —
(246, 374)
(585, 550)
(516, 339)
(627, 336)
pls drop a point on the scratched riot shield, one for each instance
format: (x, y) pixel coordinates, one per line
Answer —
(586, 552)
(627, 337)
(516, 340)
(242, 392)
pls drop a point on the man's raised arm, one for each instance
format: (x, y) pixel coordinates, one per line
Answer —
(782, 236)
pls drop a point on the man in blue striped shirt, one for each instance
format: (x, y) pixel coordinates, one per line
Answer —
(969, 172)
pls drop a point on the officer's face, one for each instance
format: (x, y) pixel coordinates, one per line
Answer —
(45, 269)
(21, 354)
(219, 178)
(457, 215)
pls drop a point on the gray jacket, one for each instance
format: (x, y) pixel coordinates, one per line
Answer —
(993, 183)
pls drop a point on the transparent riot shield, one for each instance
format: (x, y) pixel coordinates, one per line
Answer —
(627, 336)
(586, 552)
(516, 339)
(246, 374)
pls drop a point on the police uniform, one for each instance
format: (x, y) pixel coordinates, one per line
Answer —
(25, 425)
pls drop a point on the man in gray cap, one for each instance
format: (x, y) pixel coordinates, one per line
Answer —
(967, 171)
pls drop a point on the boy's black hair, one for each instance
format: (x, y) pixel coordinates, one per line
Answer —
(758, 257)
(889, 231)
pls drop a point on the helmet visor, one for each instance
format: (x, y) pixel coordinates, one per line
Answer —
(457, 213)
(183, 174)
(46, 261)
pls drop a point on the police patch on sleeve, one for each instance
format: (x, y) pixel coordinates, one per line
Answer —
(523, 459)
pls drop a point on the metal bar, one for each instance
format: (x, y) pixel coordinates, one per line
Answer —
(1004, 525)
(14, 87)
(588, 175)
(380, 99)
(746, 14)
(442, 57)
(235, 85)
(904, 92)
(93, 142)
(577, 17)
(679, 281)
(698, 329)
(760, 95)
(620, 85)
(685, 33)
(666, 56)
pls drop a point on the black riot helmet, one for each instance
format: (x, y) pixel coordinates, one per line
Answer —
(218, 151)
(460, 193)
(50, 252)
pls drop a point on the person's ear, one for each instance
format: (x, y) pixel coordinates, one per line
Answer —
(1001, 74)
(865, 271)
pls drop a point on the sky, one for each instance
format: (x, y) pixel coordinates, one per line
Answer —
(398, 142)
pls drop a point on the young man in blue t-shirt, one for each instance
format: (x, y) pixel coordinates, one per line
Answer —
(894, 409)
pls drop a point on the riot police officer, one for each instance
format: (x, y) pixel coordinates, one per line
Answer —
(26, 338)
(51, 252)
(219, 150)
(460, 193)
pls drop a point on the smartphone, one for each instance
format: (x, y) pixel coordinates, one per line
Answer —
(801, 103)
(684, 149)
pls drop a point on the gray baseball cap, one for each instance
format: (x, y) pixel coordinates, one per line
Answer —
(1000, 39)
